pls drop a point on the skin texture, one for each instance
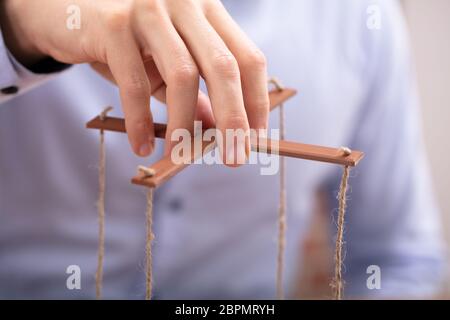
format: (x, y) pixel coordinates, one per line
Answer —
(152, 47)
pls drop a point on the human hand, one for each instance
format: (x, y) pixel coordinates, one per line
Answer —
(153, 47)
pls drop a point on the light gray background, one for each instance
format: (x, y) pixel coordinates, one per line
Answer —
(429, 23)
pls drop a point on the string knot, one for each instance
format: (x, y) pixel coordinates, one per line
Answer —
(148, 172)
(346, 151)
(104, 113)
(277, 83)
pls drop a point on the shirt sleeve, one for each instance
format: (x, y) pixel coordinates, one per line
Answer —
(392, 221)
(16, 79)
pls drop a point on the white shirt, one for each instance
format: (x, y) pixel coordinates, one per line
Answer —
(216, 227)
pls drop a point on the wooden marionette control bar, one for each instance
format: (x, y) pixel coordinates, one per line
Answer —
(165, 168)
(276, 98)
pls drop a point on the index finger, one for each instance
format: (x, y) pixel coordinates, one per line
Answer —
(222, 76)
(252, 63)
(128, 70)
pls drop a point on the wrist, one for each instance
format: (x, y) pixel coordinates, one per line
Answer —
(18, 41)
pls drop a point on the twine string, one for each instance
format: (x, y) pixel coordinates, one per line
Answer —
(338, 282)
(148, 172)
(101, 209)
(148, 246)
(282, 220)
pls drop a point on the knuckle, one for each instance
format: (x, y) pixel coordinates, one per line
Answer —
(175, 6)
(185, 73)
(151, 6)
(136, 87)
(146, 13)
(254, 60)
(208, 6)
(261, 109)
(235, 121)
(117, 18)
(212, 6)
(226, 66)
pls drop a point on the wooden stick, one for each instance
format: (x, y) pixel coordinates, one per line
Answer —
(165, 168)
(118, 124)
(308, 152)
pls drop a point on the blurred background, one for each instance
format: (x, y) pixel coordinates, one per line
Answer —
(429, 26)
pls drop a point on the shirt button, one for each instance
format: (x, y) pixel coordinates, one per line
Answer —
(175, 204)
(10, 90)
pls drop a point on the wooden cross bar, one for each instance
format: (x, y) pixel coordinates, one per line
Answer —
(165, 168)
(276, 98)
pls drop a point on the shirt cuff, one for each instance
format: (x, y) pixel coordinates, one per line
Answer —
(16, 78)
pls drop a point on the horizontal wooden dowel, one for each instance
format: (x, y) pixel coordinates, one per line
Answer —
(307, 151)
(276, 98)
(165, 168)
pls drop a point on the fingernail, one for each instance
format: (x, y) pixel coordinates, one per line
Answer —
(145, 149)
(262, 133)
(237, 155)
(230, 154)
(243, 151)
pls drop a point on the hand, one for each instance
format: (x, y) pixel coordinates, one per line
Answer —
(152, 47)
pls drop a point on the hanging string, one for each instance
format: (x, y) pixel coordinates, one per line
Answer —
(282, 222)
(101, 209)
(338, 283)
(148, 245)
(148, 172)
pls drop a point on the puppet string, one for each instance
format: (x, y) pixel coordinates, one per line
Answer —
(101, 218)
(148, 172)
(338, 283)
(148, 245)
(282, 225)
(101, 209)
